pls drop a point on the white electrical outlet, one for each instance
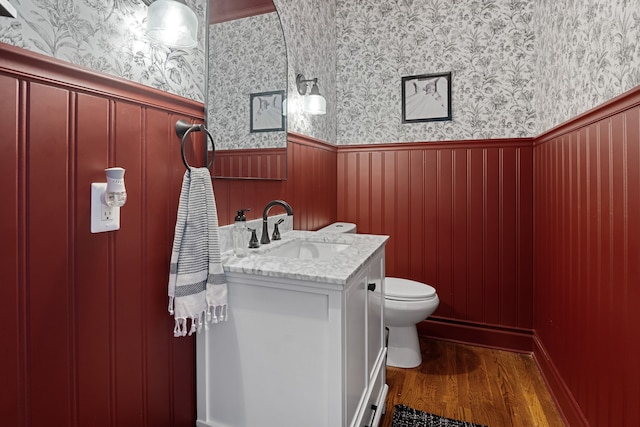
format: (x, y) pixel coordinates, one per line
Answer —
(103, 217)
(106, 213)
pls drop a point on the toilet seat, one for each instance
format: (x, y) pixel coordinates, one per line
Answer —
(398, 289)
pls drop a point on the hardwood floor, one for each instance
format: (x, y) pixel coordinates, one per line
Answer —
(480, 385)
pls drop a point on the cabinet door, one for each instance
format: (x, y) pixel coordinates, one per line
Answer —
(355, 345)
(275, 362)
(375, 313)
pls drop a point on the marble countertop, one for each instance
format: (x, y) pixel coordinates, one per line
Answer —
(337, 270)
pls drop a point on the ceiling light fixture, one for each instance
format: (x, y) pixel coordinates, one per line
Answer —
(172, 23)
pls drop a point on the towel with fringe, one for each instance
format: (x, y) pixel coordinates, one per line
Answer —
(197, 286)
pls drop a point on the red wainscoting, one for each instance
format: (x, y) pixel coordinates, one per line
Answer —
(87, 340)
(263, 163)
(310, 188)
(587, 263)
(460, 218)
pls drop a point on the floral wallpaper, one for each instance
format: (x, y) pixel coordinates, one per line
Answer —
(245, 56)
(108, 36)
(310, 32)
(588, 53)
(488, 45)
(510, 59)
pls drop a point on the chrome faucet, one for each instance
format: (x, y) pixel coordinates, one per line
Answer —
(265, 232)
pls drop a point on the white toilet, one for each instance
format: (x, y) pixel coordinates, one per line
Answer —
(406, 303)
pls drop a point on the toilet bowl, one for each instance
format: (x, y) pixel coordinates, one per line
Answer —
(406, 303)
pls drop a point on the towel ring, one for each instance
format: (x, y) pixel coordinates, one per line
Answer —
(183, 129)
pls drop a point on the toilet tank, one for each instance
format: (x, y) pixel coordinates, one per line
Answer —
(339, 227)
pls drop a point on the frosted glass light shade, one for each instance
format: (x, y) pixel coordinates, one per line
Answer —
(172, 23)
(314, 104)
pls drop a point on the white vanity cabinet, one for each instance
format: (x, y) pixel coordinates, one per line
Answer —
(296, 353)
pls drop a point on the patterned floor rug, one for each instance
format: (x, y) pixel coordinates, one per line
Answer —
(404, 416)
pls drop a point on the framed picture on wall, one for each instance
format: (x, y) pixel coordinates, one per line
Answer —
(426, 98)
(266, 111)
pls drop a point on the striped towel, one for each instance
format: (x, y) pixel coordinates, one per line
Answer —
(197, 286)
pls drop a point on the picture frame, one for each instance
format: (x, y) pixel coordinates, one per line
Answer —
(426, 98)
(266, 111)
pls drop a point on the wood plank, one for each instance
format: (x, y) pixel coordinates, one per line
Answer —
(91, 264)
(11, 251)
(530, 381)
(49, 319)
(475, 384)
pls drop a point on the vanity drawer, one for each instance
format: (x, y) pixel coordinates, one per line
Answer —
(377, 398)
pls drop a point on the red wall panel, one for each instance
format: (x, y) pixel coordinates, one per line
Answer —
(126, 276)
(50, 205)
(310, 188)
(12, 248)
(264, 163)
(587, 200)
(459, 217)
(93, 291)
(87, 339)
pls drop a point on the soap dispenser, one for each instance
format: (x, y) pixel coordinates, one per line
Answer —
(240, 242)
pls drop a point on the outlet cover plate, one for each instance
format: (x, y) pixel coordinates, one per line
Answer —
(98, 225)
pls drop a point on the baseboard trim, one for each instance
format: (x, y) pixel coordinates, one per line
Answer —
(510, 339)
(569, 408)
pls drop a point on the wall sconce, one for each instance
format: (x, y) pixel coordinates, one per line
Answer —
(314, 103)
(172, 23)
(106, 200)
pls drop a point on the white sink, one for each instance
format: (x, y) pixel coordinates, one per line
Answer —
(306, 249)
